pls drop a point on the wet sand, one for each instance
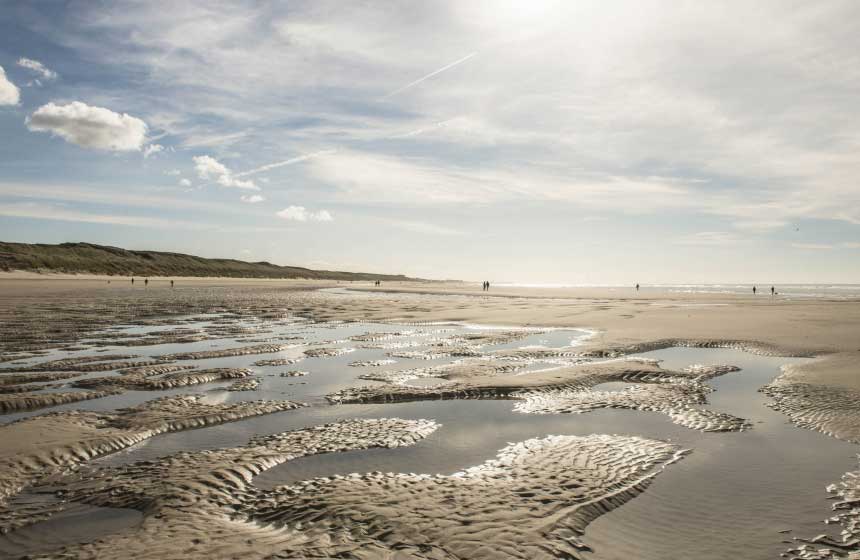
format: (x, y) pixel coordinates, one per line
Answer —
(528, 507)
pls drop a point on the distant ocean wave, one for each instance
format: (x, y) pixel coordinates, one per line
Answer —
(836, 291)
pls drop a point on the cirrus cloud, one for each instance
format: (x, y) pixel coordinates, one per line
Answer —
(302, 214)
(37, 68)
(90, 127)
(9, 92)
(252, 198)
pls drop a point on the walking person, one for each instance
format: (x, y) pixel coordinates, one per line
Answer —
(132, 280)
(772, 291)
(753, 290)
(146, 281)
(171, 283)
(637, 287)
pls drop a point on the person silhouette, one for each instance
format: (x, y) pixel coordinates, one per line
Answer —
(171, 283)
(132, 280)
(753, 290)
(637, 287)
(146, 281)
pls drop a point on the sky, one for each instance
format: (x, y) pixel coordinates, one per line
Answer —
(546, 141)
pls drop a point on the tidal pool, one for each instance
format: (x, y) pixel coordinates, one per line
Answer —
(732, 496)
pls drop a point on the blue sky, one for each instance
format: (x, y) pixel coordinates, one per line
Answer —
(541, 141)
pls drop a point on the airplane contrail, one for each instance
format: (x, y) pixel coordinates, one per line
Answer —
(424, 129)
(284, 163)
(430, 75)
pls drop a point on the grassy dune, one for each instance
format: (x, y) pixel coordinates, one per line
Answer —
(87, 258)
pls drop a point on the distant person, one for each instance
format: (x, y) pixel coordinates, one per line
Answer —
(753, 290)
(132, 280)
(488, 285)
(637, 287)
(171, 283)
(772, 291)
(146, 281)
(484, 286)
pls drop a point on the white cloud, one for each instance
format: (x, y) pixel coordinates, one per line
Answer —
(89, 127)
(711, 238)
(59, 213)
(38, 68)
(302, 214)
(152, 149)
(390, 180)
(424, 227)
(252, 199)
(203, 139)
(210, 169)
(184, 183)
(9, 92)
(813, 246)
(135, 196)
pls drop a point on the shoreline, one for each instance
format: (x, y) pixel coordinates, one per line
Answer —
(826, 328)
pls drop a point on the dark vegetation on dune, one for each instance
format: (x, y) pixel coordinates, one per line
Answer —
(99, 259)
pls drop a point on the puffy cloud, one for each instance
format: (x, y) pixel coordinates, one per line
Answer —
(210, 169)
(302, 214)
(184, 183)
(152, 149)
(252, 198)
(9, 92)
(38, 68)
(90, 127)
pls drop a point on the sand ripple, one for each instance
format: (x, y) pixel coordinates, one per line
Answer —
(229, 352)
(676, 394)
(531, 502)
(69, 438)
(18, 402)
(193, 502)
(834, 411)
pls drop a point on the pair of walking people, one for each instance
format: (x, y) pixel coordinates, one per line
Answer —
(486, 286)
(772, 290)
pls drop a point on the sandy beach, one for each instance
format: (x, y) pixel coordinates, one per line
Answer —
(92, 370)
